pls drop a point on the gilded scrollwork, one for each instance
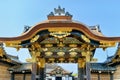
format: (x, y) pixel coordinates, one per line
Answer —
(34, 51)
(81, 62)
(59, 34)
(35, 38)
(85, 38)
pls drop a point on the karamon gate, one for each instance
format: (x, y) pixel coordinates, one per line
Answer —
(60, 40)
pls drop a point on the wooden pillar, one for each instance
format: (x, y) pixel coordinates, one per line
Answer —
(81, 71)
(86, 60)
(99, 72)
(98, 76)
(12, 76)
(41, 74)
(24, 75)
(88, 72)
(111, 75)
(34, 71)
(73, 78)
(41, 69)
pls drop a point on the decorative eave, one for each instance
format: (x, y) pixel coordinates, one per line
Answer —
(59, 19)
(77, 26)
(23, 68)
(115, 59)
(101, 68)
(5, 58)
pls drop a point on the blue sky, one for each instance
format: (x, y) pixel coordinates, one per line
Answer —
(15, 14)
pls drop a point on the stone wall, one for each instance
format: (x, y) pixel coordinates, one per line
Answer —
(4, 73)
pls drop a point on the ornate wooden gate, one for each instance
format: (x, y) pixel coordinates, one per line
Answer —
(60, 40)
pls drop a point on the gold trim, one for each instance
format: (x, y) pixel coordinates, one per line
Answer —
(73, 45)
(71, 59)
(41, 62)
(87, 55)
(35, 38)
(48, 45)
(59, 34)
(61, 59)
(48, 53)
(51, 59)
(15, 45)
(81, 63)
(61, 53)
(73, 54)
(107, 44)
(60, 29)
(85, 38)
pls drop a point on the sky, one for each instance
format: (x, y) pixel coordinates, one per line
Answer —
(15, 14)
